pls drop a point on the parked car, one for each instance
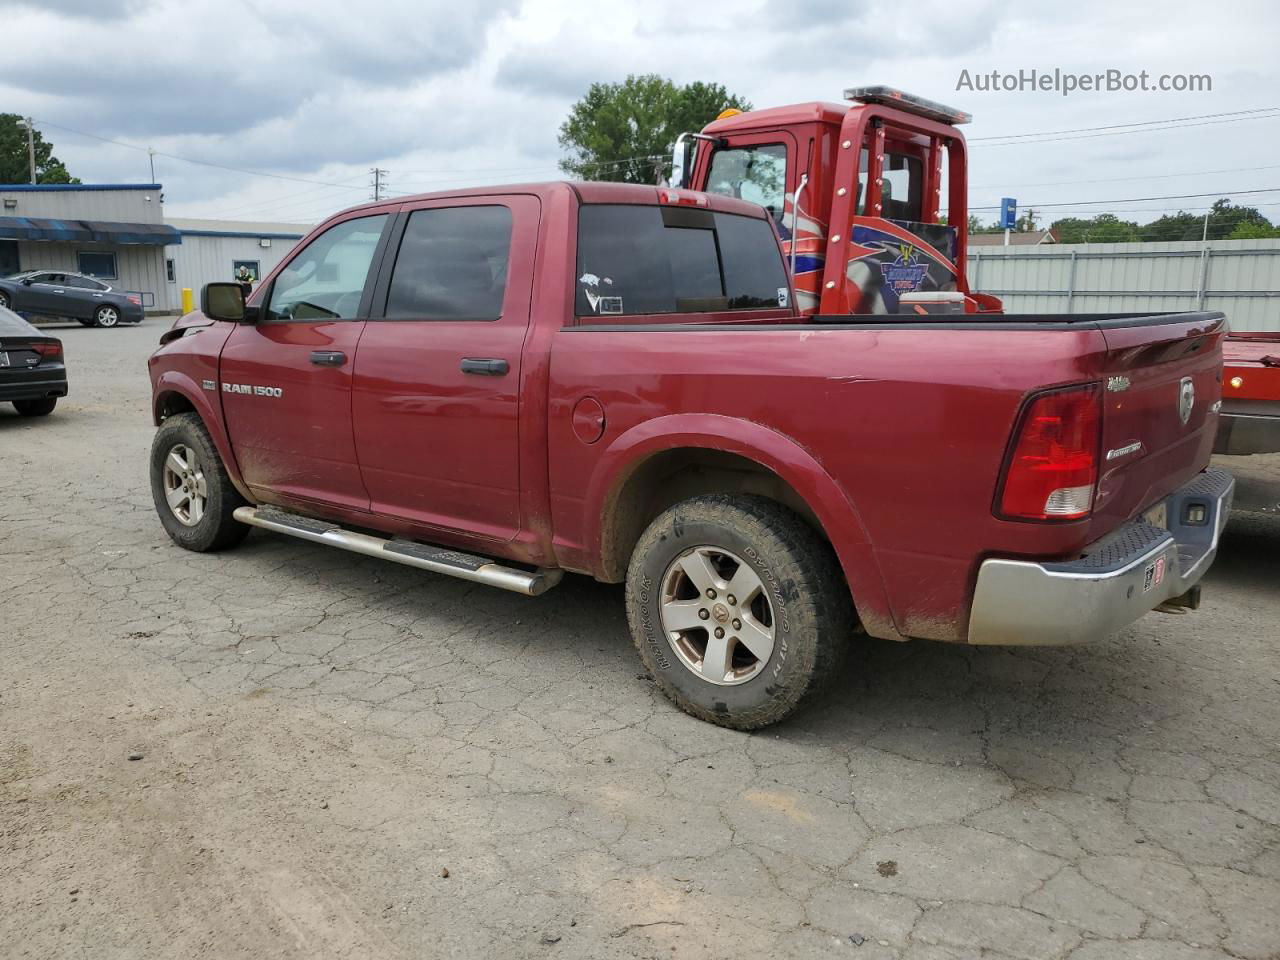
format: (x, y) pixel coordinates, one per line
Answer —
(33, 374)
(507, 384)
(71, 295)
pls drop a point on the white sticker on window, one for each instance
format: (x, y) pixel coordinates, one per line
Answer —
(784, 296)
(597, 302)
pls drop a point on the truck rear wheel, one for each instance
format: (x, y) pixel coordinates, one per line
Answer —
(738, 609)
(192, 492)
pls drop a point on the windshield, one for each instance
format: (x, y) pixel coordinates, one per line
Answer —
(757, 174)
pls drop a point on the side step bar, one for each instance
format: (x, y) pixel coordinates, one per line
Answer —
(451, 563)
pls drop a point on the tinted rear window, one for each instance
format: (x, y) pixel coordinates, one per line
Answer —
(635, 260)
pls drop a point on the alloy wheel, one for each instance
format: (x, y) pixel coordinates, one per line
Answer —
(717, 615)
(185, 488)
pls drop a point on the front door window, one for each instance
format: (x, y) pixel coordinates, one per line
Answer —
(326, 281)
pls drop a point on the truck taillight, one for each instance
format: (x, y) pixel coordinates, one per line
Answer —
(1052, 472)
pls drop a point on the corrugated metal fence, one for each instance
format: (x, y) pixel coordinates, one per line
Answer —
(1239, 277)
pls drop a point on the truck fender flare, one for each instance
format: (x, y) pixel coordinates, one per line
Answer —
(205, 404)
(774, 451)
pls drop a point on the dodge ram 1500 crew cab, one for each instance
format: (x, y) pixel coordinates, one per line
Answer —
(506, 384)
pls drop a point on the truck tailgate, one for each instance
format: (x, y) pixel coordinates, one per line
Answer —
(1163, 387)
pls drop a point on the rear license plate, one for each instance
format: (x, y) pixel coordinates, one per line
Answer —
(4, 358)
(1158, 516)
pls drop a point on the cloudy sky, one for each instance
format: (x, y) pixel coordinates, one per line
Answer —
(443, 93)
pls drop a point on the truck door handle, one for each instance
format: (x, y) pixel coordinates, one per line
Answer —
(328, 358)
(485, 367)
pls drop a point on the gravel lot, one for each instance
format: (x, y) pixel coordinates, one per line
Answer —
(322, 737)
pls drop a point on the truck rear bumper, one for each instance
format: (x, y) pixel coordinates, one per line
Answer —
(1120, 578)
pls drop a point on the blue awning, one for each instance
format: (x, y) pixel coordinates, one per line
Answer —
(33, 228)
(88, 231)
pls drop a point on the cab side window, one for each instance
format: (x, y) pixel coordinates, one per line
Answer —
(452, 264)
(326, 280)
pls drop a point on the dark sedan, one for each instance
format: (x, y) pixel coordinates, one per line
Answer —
(32, 372)
(52, 293)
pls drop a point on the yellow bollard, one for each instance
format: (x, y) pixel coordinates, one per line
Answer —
(188, 301)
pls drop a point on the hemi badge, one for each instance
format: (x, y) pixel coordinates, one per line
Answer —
(1116, 384)
(208, 385)
(1124, 451)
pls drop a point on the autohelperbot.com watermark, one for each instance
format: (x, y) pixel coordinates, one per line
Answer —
(1065, 82)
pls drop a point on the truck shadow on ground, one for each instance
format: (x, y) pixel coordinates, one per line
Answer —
(978, 699)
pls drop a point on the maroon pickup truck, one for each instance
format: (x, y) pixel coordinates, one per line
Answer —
(506, 384)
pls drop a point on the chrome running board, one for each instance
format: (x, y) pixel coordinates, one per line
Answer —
(451, 563)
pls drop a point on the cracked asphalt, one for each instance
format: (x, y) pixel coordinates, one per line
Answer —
(323, 737)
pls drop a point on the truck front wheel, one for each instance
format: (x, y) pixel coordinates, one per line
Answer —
(738, 609)
(192, 492)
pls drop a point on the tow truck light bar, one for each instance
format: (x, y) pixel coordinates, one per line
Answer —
(910, 103)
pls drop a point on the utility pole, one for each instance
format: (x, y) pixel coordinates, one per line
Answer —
(31, 146)
(151, 158)
(379, 182)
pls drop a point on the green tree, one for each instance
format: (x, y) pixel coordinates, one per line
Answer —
(1104, 228)
(15, 166)
(1247, 230)
(1225, 221)
(625, 131)
(976, 226)
(1178, 226)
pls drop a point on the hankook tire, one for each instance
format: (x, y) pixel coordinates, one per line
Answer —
(189, 484)
(738, 609)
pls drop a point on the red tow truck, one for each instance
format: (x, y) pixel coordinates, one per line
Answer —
(1250, 395)
(878, 164)
(504, 385)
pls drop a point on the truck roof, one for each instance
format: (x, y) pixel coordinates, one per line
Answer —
(792, 113)
(587, 191)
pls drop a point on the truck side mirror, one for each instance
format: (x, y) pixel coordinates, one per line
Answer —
(224, 301)
(678, 154)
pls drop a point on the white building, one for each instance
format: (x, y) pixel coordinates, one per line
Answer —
(118, 233)
(215, 249)
(112, 231)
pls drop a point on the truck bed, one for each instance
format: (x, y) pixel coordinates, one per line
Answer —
(912, 417)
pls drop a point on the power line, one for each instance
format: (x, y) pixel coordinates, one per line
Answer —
(594, 164)
(1153, 176)
(1116, 133)
(1117, 126)
(1222, 194)
(203, 163)
(276, 203)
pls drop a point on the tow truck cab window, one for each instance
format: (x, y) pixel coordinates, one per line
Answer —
(452, 264)
(757, 174)
(326, 280)
(902, 194)
(638, 260)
